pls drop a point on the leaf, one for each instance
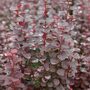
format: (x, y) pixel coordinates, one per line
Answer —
(7, 82)
(54, 61)
(56, 82)
(28, 79)
(47, 56)
(37, 50)
(22, 23)
(60, 72)
(35, 65)
(37, 83)
(14, 51)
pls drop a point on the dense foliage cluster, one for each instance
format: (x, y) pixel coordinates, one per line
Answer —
(45, 45)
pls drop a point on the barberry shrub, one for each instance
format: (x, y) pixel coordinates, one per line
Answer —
(44, 45)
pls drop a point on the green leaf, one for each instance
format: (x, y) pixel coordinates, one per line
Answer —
(35, 65)
(37, 83)
(37, 50)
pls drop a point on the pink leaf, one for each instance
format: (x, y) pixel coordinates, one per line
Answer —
(14, 51)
